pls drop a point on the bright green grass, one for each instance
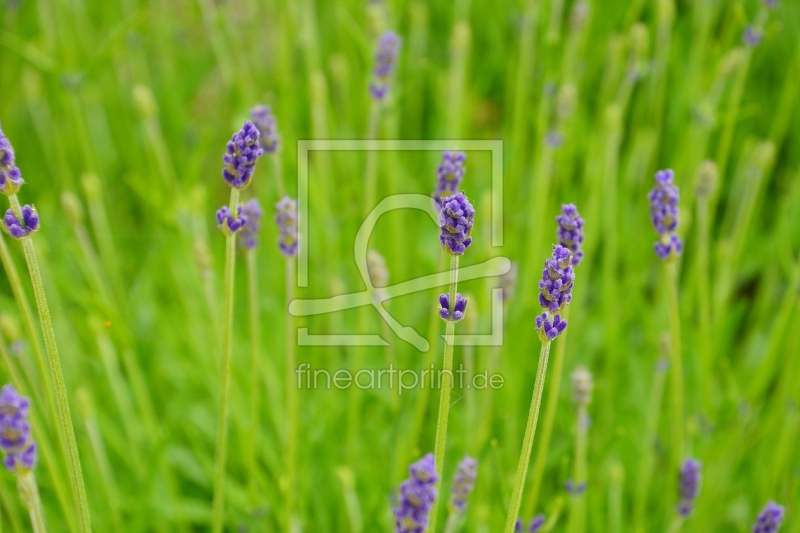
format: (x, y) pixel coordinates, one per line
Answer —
(144, 94)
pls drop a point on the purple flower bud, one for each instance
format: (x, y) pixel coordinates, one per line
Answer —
(10, 176)
(519, 527)
(537, 523)
(458, 310)
(575, 489)
(769, 519)
(15, 431)
(267, 126)
(18, 229)
(252, 213)
(570, 231)
(449, 174)
(385, 64)
(227, 222)
(664, 214)
(417, 496)
(242, 152)
(689, 486)
(286, 218)
(752, 36)
(463, 483)
(456, 219)
(550, 329)
(558, 277)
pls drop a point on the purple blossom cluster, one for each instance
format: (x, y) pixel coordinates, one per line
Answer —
(570, 231)
(664, 214)
(267, 125)
(689, 485)
(459, 308)
(227, 222)
(456, 219)
(10, 176)
(416, 498)
(252, 214)
(17, 228)
(536, 525)
(449, 174)
(555, 293)
(286, 218)
(15, 431)
(241, 154)
(463, 483)
(769, 519)
(385, 64)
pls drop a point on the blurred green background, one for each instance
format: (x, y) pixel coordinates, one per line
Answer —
(128, 104)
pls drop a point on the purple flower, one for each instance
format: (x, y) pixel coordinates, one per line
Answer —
(19, 229)
(252, 213)
(417, 496)
(554, 139)
(241, 154)
(519, 527)
(10, 176)
(458, 309)
(550, 329)
(769, 519)
(536, 523)
(449, 173)
(570, 231)
(227, 222)
(689, 486)
(267, 126)
(15, 431)
(286, 218)
(455, 220)
(752, 36)
(463, 483)
(575, 489)
(558, 277)
(664, 214)
(385, 64)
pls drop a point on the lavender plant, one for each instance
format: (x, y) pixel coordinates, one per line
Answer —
(241, 154)
(582, 386)
(20, 224)
(269, 139)
(456, 219)
(769, 519)
(20, 451)
(555, 294)
(535, 526)
(689, 485)
(449, 174)
(463, 484)
(417, 497)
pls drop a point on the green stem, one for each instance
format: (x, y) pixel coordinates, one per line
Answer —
(291, 401)
(451, 526)
(218, 503)
(704, 305)
(549, 418)
(371, 164)
(62, 401)
(255, 348)
(446, 385)
(527, 441)
(676, 366)
(577, 518)
(29, 492)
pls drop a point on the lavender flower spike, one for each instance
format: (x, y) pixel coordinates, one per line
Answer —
(417, 496)
(227, 222)
(555, 293)
(385, 64)
(664, 215)
(458, 309)
(536, 524)
(456, 220)
(17, 228)
(252, 213)
(689, 486)
(449, 174)
(582, 386)
(570, 231)
(267, 126)
(241, 154)
(769, 519)
(10, 176)
(463, 484)
(752, 36)
(15, 431)
(286, 218)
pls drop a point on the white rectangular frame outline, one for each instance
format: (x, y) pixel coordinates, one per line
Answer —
(357, 145)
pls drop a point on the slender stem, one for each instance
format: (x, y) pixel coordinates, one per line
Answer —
(446, 385)
(451, 526)
(577, 519)
(704, 304)
(371, 165)
(676, 366)
(62, 401)
(255, 348)
(218, 503)
(549, 417)
(527, 442)
(276, 164)
(291, 400)
(29, 492)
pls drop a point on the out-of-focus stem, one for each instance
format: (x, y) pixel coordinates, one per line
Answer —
(676, 367)
(370, 170)
(705, 341)
(255, 348)
(577, 516)
(291, 401)
(29, 492)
